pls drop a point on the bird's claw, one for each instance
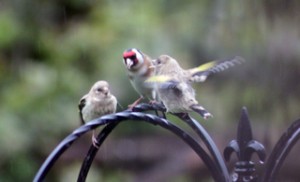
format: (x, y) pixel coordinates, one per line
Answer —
(95, 142)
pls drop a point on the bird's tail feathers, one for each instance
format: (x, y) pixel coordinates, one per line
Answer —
(200, 75)
(227, 63)
(202, 111)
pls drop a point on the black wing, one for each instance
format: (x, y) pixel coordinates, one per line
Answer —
(81, 105)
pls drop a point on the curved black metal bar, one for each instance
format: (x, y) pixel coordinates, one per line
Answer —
(211, 146)
(63, 146)
(280, 151)
(118, 117)
(198, 128)
(85, 167)
(148, 107)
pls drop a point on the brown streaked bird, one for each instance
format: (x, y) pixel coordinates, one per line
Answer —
(139, 68)
(98, 102)
(174, 84)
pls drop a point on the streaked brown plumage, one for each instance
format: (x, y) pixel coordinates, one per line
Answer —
(174, 84)
(98, 102)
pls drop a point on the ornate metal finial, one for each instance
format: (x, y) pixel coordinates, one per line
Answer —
(244, 146)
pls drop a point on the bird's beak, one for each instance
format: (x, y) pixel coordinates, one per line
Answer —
(106, 91)
(152, 67)
(128, 63)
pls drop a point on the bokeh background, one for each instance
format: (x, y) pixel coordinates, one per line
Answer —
(51, 52)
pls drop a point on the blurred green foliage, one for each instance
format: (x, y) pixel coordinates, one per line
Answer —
(51, 52)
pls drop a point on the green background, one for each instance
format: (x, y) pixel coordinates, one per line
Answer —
(51, 52)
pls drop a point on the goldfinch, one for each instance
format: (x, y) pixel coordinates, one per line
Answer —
(139, 68)
(174, 84)
(98, 102)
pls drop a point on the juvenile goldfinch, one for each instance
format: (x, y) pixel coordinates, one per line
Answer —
(98, 102)
(174, 84)
(139, 68)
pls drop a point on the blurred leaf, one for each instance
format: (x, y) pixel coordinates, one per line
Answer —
(9, 28)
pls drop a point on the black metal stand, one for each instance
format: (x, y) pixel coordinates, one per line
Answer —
(244, 146)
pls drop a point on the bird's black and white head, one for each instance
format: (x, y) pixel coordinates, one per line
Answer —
(100, 90)
(133, 59)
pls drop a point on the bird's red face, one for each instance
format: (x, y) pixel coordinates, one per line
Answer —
(132, 58)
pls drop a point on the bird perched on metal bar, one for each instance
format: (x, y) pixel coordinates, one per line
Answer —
(174, 84)
(98, 102)
(139, 68)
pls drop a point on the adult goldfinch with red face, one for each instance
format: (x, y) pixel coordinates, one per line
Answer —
(174, 84)
(139, 68)
(98, 102)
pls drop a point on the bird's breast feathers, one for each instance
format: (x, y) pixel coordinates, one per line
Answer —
(143, 71)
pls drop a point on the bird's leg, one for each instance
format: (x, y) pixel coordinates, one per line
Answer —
(164, 115)
(156, 112)
(94, 140)
(152, 102)
(131, 106)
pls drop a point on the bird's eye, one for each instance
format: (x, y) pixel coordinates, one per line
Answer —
(99, 89)
(158, 61)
